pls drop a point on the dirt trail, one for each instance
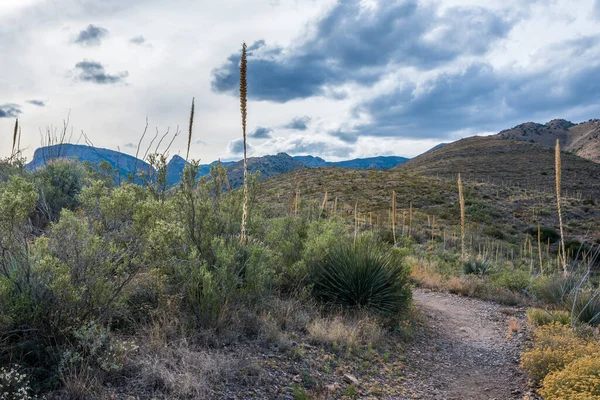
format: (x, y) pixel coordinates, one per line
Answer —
(462, 352)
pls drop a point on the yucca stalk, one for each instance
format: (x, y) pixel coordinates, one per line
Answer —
(394, 216)
(432, 228)
(243, 103)
(557, 165)
(410, 218)
(540, 249)
(190, 131)
(462, 217)
(324, 204)
(296, 201)
(15, 137)
(355, 221)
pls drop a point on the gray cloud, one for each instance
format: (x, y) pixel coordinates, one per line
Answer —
(477, 99)
(91, 36)
(298, 123)
(261, 133)
(10, 111)
(352, 44)
(139, 40)
(93, 71)
(38, 103)
(597, 8)
(130, 145)
(236, 147)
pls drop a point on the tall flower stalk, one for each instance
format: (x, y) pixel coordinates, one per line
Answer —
(243, 104)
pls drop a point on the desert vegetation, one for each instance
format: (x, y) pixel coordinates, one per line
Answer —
(299, 285)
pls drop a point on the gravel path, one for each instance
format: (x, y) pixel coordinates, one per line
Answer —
(462, 351)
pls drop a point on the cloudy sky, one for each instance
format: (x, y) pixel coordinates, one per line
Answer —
(337, 79)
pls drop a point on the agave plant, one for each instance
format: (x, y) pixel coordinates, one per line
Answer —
(362, 274)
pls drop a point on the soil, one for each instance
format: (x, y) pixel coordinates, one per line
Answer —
(463, 350)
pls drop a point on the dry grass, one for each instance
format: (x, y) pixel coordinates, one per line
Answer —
(514, 326)
(346, 331)
(178, 371)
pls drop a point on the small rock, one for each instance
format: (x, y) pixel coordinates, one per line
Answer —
(350, 379)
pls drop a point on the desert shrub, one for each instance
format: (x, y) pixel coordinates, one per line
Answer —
(554, 289)
(477, 267)
(554, 346)
(59, 184)
(212, 291)
(545, 234)
(514, 280)
(362, 274)
(539, 317)
(578, 380)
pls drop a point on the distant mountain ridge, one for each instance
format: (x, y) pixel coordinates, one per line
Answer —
(268, 166)
(582, 139)
(380, 162)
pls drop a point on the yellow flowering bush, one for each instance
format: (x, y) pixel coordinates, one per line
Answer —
(554, 346)
(579, 380)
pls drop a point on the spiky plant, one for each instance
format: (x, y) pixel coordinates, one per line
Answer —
(243, 103)
(462, 217)
(557, 164)
(363, 274)
(190, 130)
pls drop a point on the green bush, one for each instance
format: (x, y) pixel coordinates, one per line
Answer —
(362, 274)
(59, 184)
(513, 280)
(545, 234)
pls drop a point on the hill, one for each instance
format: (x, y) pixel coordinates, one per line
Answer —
(504, 162)
(581, 139)
(267, 165)
(381, 162)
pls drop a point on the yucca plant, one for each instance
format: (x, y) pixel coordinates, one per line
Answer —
(363, 274)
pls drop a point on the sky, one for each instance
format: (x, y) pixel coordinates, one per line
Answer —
(335, 79)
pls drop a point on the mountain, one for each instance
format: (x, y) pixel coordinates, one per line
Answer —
(267, 165)
(177, 164)
(504, 162)
(123, 163)
(381, 162)
(311, 161)
(581, 139)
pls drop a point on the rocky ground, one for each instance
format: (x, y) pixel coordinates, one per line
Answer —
(464, 349)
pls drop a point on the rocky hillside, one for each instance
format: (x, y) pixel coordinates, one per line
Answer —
(581, 139)
(508, 162)
(267, 165)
